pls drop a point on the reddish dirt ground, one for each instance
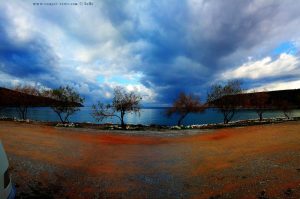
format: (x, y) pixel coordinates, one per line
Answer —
(250, 162)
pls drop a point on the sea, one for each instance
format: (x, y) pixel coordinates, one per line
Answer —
(147, 116)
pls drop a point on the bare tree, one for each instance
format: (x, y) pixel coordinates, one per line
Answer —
(123, 102)
(184, 105)
(259, 100)
(285, 107)
(223, 98)
(68, 102)
(25, 100)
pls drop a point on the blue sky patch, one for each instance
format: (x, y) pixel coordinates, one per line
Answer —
(286, 47)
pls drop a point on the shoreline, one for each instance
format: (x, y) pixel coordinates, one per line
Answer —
(150, 131)
(155, 127)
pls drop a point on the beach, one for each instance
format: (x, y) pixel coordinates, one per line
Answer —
(261, 161)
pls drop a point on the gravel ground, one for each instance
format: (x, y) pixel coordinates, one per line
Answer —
(250, 162)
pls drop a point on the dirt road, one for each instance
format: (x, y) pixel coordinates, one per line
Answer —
(249, 162)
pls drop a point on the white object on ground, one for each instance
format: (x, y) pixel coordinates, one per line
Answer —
(7, 190)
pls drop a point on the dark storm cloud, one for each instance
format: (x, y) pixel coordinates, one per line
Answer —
(230, 27)
(175, 45)
(205, 36)
(24, 59)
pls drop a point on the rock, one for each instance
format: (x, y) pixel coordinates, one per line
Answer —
(263, 195)
(262, 182)
(288, 192)
(215, 197)
(176, 127)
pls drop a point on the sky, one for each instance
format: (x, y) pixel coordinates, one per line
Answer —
(155, 48)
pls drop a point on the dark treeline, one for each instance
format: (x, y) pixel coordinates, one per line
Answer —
(269, 99)
(284, 100)
(230, 97)
(64, 100)
(13, 98)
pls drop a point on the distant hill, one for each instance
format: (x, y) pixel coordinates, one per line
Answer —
(11, 98)
(290, 97)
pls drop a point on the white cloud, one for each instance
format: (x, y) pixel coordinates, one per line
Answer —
(88, 47)
(279, 86)
(11, 82)
(285, 64)
(20, 27)
(133, 38)
(147, 94)
(105, 92)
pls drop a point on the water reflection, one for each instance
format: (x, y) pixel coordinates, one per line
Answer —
(147, 116)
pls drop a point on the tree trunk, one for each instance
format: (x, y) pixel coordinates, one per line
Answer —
(22, 112)
(180, 119)
(232, 112)
(260, 116)
(286, 115)
(225, 118)
(123, 125)
(66, 120)
(59, 115)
